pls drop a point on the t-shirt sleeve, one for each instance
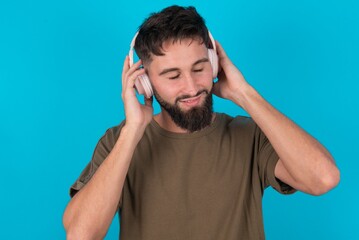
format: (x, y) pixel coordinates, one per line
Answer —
(102, 150)
(267, 160)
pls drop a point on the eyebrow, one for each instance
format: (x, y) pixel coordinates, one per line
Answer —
(167, 70)
(201, 61)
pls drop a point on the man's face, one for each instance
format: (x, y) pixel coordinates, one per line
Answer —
(182, 82)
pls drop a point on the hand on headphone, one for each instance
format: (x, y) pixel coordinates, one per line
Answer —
(137, 114)
(231, 83)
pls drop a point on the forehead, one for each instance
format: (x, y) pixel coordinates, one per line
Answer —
(179, 54)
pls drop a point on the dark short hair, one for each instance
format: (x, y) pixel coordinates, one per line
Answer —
(172, 23)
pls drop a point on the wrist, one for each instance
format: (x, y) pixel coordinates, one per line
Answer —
(132, 132)
(244, 95)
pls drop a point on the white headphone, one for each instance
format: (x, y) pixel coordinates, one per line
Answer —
(143, 84)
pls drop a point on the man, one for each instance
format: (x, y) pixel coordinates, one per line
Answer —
(189, 173)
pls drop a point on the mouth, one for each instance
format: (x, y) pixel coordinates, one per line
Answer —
(192, 101)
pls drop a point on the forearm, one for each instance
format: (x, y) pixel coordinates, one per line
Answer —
(304, 162)
(90, 212)
(304, 158)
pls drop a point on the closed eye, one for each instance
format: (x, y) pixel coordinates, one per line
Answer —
(198, 70)
(174, 77)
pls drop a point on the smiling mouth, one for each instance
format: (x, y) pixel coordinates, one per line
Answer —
(191, 100)
(187, 98)
(189, 103)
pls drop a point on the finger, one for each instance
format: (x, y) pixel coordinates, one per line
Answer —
(222, 57)
(130, 80)
(130, 71)
(125, 68)
(134, 67)
(220, 50)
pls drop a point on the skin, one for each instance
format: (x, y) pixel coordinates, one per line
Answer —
(304, 163)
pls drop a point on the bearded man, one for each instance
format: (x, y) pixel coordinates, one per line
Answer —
(188, 172)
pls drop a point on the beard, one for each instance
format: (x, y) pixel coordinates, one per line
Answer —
(192, 120)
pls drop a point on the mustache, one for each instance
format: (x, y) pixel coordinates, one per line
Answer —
(189, 96)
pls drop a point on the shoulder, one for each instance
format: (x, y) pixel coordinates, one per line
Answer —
(237, 122)
(111, 134)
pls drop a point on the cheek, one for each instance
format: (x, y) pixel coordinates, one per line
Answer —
(167, 91)
(206, 79)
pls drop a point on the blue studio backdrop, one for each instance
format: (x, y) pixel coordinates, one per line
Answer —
(60, 85)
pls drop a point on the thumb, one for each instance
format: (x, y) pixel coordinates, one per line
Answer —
(220, 51)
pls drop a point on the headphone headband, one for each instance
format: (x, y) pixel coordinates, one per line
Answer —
(212, 41)
(132, 45)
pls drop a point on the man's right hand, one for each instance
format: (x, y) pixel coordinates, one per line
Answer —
(90, 212)
(138, 116)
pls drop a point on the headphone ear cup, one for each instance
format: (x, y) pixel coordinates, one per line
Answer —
(143, 85)
(213, 58)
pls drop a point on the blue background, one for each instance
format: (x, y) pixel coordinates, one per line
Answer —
(60, 68)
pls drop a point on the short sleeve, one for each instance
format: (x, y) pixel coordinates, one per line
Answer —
(267, 159)
(102, 150)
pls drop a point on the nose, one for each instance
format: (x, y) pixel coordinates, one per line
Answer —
(190, 86)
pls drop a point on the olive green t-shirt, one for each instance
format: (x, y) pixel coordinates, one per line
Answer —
(203, 185)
